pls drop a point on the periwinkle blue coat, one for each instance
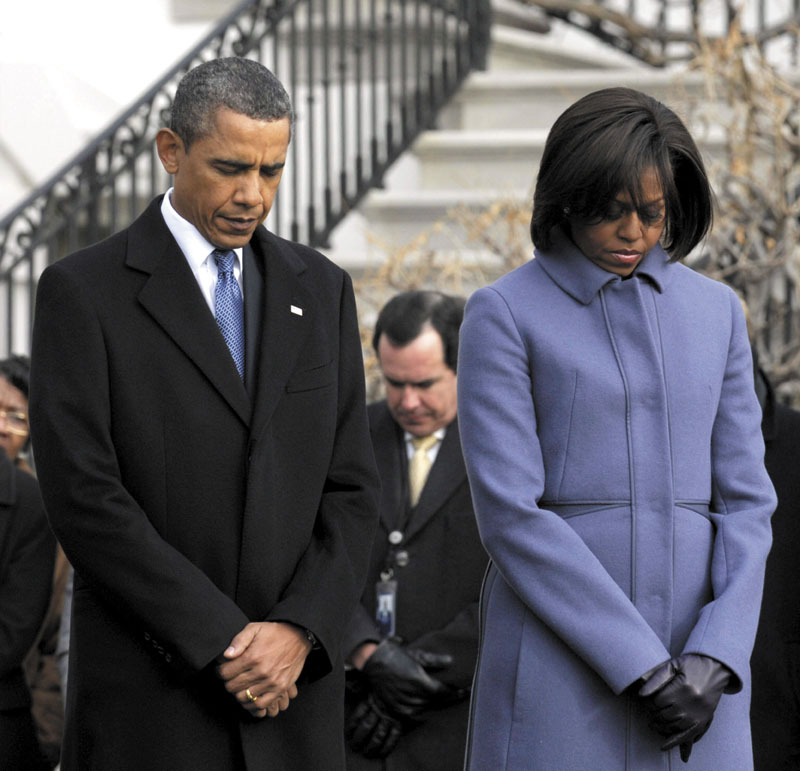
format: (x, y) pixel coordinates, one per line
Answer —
(612, 439)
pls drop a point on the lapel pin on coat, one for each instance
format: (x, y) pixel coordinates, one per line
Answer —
(297, 311)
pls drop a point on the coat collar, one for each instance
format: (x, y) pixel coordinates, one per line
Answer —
(580, 278)
(171, 296)
(446, 474)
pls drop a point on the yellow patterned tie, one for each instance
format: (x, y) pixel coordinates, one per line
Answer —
(419, 465)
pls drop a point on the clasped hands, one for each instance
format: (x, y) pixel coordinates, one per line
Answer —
(397, 689)
(262, 665)
(681, 696)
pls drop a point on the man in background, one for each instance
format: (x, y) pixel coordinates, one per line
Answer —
(413, 640)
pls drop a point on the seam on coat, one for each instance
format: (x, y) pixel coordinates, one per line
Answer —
(592, 502)
(474, 688)
(629, 437)
(671, 457)
(569, 435)
(514, 725)
(581, 510)
(666, 393)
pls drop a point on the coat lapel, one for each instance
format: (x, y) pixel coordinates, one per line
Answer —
(390, 457)
(171, 296)
(284, 328)
(447, 473)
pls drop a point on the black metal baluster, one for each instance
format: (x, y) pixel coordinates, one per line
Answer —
(295, 172)
(310, 120)
(404, 128)
(325, 73)
(431, 106)
(373, 63)
(10, 309)
(388, 50)
(343, 123)
(359, 49)
(418, 106)
(277, 205)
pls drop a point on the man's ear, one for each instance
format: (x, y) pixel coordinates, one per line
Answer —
(170, 149)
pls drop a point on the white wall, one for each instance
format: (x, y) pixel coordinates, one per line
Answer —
(68, 68)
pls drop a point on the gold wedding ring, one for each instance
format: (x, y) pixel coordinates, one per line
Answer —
(250, 695)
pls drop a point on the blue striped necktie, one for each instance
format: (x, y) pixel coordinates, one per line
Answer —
(229, 308)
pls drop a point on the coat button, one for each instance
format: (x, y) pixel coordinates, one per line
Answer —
(401, 558)
(395, 537)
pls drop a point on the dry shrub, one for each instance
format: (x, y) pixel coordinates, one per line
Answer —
(480, 246)
(755, 243)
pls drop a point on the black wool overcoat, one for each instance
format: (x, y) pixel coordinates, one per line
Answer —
(188, 509)
(439, 577)
(775, 664)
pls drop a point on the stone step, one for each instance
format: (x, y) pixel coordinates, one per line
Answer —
(534, 99)
(564, 47)
(489, 176)
(470, 160)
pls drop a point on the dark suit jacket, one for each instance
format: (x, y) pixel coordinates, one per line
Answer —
(438, 588)
(775, 664)
(186, 509)
(27, 554)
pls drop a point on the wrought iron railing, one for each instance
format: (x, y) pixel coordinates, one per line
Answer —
(366, 77)
(662, 31)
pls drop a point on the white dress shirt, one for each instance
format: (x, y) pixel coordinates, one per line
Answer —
(432, 451)
(198, 251)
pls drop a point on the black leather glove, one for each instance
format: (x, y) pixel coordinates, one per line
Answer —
(370, 731)
(681, 696)
(399, 679)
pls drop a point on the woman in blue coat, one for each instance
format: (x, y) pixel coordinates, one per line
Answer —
(612, 438)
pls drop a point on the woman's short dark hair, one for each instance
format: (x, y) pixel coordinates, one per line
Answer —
(602, 145)
(17, 370)
(404, 316)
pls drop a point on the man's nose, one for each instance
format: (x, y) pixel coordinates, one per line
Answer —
(410, 398)
(248, 191)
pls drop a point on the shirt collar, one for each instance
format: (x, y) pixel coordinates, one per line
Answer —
(439, 434)
(194, 246)
(582, 279)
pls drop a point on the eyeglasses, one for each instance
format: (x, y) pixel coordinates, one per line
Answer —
(16, 421)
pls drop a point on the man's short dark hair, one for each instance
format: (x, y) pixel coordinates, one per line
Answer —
(242, 85)
(601, 146)
(403, 318)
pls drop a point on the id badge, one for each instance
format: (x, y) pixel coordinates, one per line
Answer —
(385, 615)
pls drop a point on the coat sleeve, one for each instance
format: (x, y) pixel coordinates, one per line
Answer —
(537, 553)
(105, 534)
(330, 576)
(27, 576)
(743, 501)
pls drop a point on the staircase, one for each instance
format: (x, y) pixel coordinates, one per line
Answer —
(489, 140)
(367, 76)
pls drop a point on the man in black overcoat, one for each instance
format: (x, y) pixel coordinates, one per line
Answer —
(197, 404)
(412, 663)
(775, 663)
